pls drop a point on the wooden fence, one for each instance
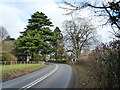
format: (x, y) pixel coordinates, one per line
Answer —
(20, 62)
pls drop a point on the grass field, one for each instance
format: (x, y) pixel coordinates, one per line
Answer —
(16, 70)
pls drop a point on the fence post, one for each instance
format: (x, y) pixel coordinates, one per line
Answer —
(10, 62)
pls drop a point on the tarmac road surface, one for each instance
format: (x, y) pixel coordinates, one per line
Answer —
(51, 76)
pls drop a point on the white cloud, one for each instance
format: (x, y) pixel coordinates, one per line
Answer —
(10, 18)
(13, 16)
(51, 9)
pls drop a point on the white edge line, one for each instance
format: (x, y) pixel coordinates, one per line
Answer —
(39, 79)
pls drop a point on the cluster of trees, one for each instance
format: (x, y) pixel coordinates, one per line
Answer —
(6, 46)
(38, 40)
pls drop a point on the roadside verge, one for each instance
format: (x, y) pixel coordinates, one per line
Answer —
(13, 71)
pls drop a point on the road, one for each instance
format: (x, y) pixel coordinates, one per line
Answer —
(52, 76)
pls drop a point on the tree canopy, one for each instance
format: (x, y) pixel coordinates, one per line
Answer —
(37, 38)
(80, 34)
(58, 44)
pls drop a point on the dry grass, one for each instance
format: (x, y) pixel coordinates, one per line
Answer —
(91, 73)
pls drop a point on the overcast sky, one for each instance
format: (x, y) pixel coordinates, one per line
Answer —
(14, 15)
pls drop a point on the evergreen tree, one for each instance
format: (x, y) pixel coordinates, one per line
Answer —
(37, 38)
(58, 44)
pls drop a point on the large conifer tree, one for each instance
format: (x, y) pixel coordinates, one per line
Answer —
(36, 39)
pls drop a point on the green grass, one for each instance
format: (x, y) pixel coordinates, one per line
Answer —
(19, 66)
(16, 70)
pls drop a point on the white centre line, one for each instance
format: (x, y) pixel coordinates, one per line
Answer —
(40, 79)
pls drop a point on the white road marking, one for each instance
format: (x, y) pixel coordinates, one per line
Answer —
(40, 79)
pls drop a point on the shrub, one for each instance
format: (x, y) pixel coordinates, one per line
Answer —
(8, 57)
(95, 70)
(109, 56)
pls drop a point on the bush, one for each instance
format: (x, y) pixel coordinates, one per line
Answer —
(109, 56)
(95, 72)
(8, 57)
(7, 51)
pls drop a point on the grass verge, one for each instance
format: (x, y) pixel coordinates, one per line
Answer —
(84, 80)
(12, 71)
(90, 73)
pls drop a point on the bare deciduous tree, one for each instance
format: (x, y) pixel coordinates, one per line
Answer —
(79, 35)
(3, 33)
(110, 9)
